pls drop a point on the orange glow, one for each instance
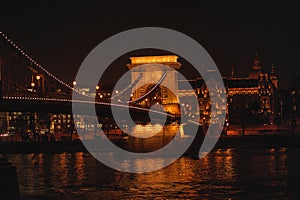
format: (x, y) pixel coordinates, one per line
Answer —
(240, 91)
(154, 59)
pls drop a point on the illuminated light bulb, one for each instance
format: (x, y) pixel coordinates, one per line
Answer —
(97, 87)
(32, 84)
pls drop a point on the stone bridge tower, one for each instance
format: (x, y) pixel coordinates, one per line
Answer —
(151, 71)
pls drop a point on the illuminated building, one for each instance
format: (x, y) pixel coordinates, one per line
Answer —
(61, 123)
(253, 99)
(250, 100)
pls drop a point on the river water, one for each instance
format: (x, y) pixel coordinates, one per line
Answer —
(227, 173)
(231, 173)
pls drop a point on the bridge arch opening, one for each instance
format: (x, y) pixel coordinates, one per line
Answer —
(162, 95)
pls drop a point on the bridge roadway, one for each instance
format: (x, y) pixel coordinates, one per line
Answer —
(64, 106)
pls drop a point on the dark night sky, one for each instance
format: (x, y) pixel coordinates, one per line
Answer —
(60, 35)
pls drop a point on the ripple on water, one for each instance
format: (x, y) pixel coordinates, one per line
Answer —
(224, 173)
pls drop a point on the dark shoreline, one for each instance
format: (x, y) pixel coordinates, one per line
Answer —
(248, 141)
(268, 141)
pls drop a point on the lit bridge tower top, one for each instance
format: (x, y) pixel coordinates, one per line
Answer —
(169, 60)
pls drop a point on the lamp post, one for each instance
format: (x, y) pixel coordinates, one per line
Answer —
(40, 82)
(32, 84)
(74, 84)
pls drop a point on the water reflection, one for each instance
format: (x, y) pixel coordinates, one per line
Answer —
(159, 136)
(224, 173)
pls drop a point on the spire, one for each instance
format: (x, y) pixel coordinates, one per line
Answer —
(273, 71)
(256, 62)
(256, 68)
(273, 77)
(232, 74)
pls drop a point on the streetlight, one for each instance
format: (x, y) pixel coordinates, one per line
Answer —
(40, 79)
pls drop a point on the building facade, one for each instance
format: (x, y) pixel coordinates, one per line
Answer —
(250, 100)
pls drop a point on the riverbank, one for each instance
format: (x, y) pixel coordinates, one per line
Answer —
(258, 141)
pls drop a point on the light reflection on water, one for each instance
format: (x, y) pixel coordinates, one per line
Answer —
(225, 173)
(150, 137)
(228, 173)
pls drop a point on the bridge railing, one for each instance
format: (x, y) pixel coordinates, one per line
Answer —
(39, 95)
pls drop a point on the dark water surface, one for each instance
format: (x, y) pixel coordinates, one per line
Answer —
(224, 174)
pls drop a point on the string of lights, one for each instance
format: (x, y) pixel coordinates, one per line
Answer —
(34, 63)
(128, 88)
(81, 101)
